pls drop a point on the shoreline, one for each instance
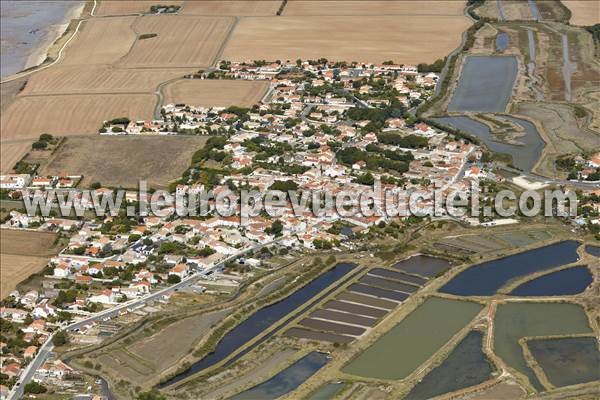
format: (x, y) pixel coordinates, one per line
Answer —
(39, 55)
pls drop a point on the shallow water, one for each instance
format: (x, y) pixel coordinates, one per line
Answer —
(424, 266)
(524, 156)
(593, 250)
(485, 84)
(414, 339)
(328, 391)
(287, 380)
(567, 361)
(501, 41)
(486, 278)
(561, 283)
(466, 366)
(517, 320)
(535, 12)
(26, 25)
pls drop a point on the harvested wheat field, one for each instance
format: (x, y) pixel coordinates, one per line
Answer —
(101, 41)
(403, 39)
(123, 161)
(10, 153)
(99, 79)
(249, 8)
(68, 115)
(374, 7)
(15, 268)
(180, 41)
(9, 91)
(23, 253)
(583, 12)
(215, 93)
(119, 7)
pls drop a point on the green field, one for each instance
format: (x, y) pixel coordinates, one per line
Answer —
(416, 338)
(517, 320)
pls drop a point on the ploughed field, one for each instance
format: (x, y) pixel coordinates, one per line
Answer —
(123, 161)
(215, 93)
(23, 253)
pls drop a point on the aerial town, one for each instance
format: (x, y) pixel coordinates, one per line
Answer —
(160, 305)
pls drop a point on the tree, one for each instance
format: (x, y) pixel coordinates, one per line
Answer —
(173, 279)
(39, 145)
(365, 179)
(95, 185)
(60, 338)
(35, 388)
(284, 186)
(275, 229)
(46, 137)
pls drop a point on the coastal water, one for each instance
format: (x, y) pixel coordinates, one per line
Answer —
(485, 84)
(524, 155)
(561, 283)
(263, 319)
(27, 28)
(466, 366)
(486, 278)
(287, 380)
